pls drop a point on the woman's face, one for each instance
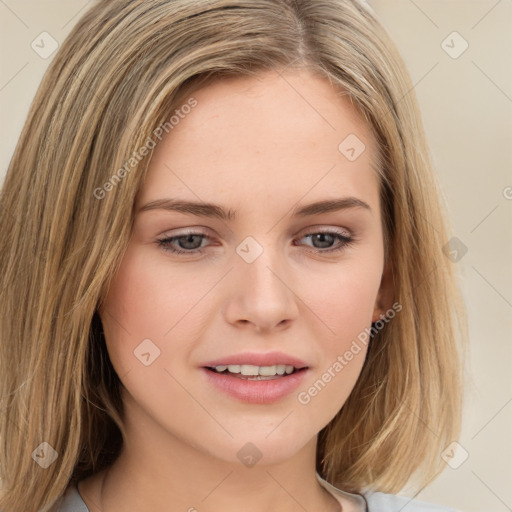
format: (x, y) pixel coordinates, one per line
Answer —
(267, 280)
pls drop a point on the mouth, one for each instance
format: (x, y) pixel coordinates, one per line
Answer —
(253, 372)
(255, 384)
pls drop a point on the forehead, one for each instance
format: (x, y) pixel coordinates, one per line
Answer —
(288, 131)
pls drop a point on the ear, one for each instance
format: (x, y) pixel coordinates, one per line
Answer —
(384, 299)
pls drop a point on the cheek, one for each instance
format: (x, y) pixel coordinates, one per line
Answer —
(148, 301)
(144, 314)
(134, 311)
(345, 300)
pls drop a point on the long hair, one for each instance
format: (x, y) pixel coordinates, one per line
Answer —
(67, 211)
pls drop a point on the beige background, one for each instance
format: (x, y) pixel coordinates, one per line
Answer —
(467, 112)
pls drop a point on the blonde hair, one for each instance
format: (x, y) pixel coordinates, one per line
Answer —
(124, 67)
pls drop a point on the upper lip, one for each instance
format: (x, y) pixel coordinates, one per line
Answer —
(258, 359)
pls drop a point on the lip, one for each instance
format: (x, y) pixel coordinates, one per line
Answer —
(255, 391)
(258, 359)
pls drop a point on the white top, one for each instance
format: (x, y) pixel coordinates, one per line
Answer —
(368, 502)
(379, 502)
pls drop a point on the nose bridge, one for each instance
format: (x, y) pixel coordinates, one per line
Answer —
(263, 295)
(260, 264)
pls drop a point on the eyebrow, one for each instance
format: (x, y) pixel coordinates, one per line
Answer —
(202, 209)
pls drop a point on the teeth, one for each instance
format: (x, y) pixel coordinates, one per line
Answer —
(249, 369)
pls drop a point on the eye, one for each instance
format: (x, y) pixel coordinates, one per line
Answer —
(188, 243)
(322, 240)
(191, 242)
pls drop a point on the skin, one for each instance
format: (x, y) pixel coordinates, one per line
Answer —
(260, 147)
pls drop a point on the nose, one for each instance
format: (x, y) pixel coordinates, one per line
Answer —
(261, 293)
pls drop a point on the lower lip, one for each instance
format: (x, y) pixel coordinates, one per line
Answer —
(256, 391)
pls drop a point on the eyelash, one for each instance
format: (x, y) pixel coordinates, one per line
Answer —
(165, 243)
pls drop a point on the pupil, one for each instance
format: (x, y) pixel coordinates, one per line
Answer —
(189, 239)
(321, 238)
